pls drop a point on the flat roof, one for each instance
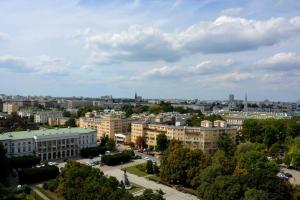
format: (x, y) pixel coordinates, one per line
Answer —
(43, 132)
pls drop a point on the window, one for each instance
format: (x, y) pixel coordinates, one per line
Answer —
(24, 149)
(19, 150)
(29, 148)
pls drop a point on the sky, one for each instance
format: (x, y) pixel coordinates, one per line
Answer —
(187, 49)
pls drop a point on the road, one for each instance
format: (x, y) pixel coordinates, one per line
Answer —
(143, 155)
(295, 180)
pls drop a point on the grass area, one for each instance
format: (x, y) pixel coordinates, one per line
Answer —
(49, 194)
(139, 170)
(33, 196)
(135, 188)
(180, 188)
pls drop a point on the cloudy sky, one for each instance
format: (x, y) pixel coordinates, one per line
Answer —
(202, 49)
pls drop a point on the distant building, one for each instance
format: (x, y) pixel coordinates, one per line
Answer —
(246, 104)
(48, 144)
(57, 121)
(42, 116)
(231, 98)
(10, 107)
(204, 137)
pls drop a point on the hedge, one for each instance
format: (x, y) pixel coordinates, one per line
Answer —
(33, 175)
(92, 151)
(24, 161)
(115, 159)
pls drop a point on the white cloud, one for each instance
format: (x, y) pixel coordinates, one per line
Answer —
(281, 62)
(232, 11)
(42, 65)
(223, 35)
(206, 68)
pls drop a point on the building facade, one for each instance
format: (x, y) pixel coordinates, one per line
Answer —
(204, 137)
(42, 116)
(49, 144)
(10, 107)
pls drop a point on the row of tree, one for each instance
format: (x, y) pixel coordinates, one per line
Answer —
(77, 182)
(118, 158)
(233, 172)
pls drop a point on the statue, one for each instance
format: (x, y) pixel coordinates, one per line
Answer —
(126, 182)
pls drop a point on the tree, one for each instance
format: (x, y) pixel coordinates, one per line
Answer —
(292, 157)
(66, 113)
(140, 142)
(161, 142)
(254, 194)
(226, 144)
(149, 167)
(4, 166)
(181, 165)
(71, 122)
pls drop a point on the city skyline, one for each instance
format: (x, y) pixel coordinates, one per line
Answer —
(160, 49)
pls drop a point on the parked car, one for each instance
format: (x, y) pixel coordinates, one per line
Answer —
(283, 176)
(288, 174)
(52, 163)
(146, 158)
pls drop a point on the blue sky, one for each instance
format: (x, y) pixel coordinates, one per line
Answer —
(202, 49)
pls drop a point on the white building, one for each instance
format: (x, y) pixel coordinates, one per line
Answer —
(49, 144)
(42, 116)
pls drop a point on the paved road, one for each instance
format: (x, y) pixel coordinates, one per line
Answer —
(170, 193)
(295, 180)
(143, 155)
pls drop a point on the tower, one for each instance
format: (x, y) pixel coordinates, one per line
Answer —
(246, 104)
(135, 97)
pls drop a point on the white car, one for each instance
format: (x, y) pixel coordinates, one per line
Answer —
(146, 158)
(52, 163)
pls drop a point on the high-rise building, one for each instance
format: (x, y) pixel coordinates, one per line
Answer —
(246, 104)
(231, 97)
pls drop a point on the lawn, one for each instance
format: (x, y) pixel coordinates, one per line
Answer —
(49, 194)
(135, 188)
(139, 170)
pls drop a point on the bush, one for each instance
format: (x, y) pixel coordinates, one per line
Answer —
(24, 161)
(149, 167)
(51, 185)
(118, 158)
(92, 151)
(33, 175)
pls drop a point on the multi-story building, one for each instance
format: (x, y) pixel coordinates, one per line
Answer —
(42, 116)
(48, 144)
(57, 121)
(236, 119)
(25, 113)
(107, 124)
(10, 107)
(204, 137)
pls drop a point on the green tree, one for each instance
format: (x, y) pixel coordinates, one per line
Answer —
(254, 194)
(226, 144)
(71, 122)
(161, 142)
(4, 166)
(149, 167)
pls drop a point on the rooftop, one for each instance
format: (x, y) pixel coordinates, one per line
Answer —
(41, 132)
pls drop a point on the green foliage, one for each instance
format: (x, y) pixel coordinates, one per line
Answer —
(149, 167)
(4, 164)
(253, 160)
(254, 194)
(15, 123)
(82, 110)
(24, 161)
(106, 144)
(269, 131)
(155, 169)
(195, 120)
(80, 182)
(11, 193)
(292, 157)
(71, 122)
(33, 175)
(51, 185)
(66, 113)
(226, 144)
(115, 159)
(180, 165)
(161, 142)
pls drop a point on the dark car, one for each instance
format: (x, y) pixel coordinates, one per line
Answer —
(288, 174)
(91, 157)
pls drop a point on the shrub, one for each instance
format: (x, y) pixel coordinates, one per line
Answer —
(32, 175)
(92, 151)
(118, 158)
(24, 161)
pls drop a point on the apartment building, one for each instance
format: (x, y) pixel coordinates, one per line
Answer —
(48, 144)
(57, 121)
(10, 107)
(42, 116)
(107, 124)
(204, 137)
